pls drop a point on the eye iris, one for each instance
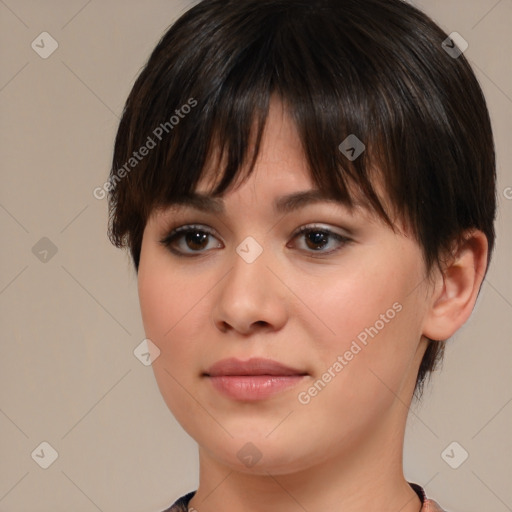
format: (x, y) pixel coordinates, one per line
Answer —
(196, 239)
(316, 237)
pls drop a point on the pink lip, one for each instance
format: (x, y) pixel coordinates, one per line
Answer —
(255, 379)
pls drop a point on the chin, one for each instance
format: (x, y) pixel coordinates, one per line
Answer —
(259, 455)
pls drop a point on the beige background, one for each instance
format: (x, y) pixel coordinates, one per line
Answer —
(70, 324)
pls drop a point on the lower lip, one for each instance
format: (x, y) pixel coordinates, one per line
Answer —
(253, 387)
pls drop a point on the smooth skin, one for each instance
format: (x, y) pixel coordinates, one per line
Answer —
(303, 305)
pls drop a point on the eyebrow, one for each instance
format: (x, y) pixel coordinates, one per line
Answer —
(282, 204)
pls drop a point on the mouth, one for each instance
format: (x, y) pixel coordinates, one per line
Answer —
(252, 380)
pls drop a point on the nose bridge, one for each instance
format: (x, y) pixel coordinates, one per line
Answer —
(249, 294)
(249, 277)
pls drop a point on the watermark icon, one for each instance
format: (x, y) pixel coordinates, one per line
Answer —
(454, 455)
(249, 455)
(44, 250)
(44, 45)
(507, 192)
(455, 45)
(304, 397)
(249, 250)
(45, 455)
(146, 352)
(352, 147)
(151, 143)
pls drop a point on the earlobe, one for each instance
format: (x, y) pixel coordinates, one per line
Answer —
(457, 287)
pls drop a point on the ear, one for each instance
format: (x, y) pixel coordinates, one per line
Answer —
(456, 287)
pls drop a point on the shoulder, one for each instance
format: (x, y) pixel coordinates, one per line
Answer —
(181, 504)
(431, 506)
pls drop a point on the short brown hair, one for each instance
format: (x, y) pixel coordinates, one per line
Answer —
(376, 69)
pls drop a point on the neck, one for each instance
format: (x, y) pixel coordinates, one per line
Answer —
(368, 476)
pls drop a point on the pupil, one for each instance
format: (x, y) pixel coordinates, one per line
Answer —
(316, 238)
(196, 239)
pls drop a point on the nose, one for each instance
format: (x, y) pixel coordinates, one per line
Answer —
(250, 298)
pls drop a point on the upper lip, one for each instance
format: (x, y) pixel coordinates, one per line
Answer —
(254, 366)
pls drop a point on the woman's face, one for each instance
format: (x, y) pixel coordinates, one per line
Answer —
(340, 306)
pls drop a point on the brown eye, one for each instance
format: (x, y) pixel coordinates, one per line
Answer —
(195, 239)
(316, 238)
(187, 240)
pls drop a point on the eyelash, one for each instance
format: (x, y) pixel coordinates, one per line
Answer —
(177, 233)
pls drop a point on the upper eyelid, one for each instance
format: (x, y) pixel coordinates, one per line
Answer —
(189, 209)
(184, 213)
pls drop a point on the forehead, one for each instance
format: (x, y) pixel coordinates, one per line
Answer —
(280, 165)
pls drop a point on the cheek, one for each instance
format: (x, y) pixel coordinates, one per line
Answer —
(157, 305)
(165, 301)
(374, 319)
(167, 304)
(361, 305)
(175, 314)
(163, 294)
